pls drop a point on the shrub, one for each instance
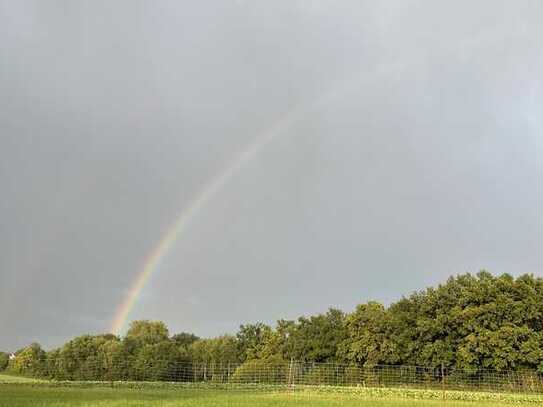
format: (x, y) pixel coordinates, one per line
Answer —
(272, 370)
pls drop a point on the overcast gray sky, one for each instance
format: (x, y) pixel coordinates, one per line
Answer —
(426, 162)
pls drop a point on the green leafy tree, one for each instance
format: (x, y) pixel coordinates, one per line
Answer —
(184, 339)
(214, 358)
(29, 361)
(141, 333)
(157, 362)
(367, 340)
(317, 338)
(472, 322)
(251, 340)
(80, 358)
(114, 359)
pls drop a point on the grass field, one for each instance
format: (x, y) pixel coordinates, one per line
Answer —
(24, 392)
(43, 396)
(37, 395)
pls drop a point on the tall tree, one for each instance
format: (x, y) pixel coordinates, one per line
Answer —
(316, 339)
(251, 339)
(184, 339)
(29, 361)
(145, 332)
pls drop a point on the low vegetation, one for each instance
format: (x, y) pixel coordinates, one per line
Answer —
(150, 395)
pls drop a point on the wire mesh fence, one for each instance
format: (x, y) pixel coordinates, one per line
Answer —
(293, 375)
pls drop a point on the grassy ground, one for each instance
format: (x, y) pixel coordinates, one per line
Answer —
(36, 395)
(4, 378)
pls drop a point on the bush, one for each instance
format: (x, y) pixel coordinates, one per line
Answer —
(272, 370)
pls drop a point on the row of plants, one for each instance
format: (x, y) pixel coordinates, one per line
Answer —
(424, 394)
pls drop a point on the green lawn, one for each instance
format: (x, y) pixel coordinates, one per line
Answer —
(26, 395)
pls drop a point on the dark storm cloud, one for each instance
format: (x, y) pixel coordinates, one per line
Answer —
(113, 115)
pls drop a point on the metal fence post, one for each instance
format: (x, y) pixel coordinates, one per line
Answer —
(289, 380)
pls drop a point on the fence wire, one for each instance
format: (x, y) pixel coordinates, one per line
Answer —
(292, 375)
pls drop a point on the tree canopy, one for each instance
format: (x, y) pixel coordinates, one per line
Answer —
(470, 322)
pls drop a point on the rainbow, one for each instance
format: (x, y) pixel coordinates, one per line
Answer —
(152, 261)
(154, 258)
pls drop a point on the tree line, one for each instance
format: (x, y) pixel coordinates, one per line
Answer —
(471, 322)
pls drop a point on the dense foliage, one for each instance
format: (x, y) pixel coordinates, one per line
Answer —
(4, 360)
(471, 322)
